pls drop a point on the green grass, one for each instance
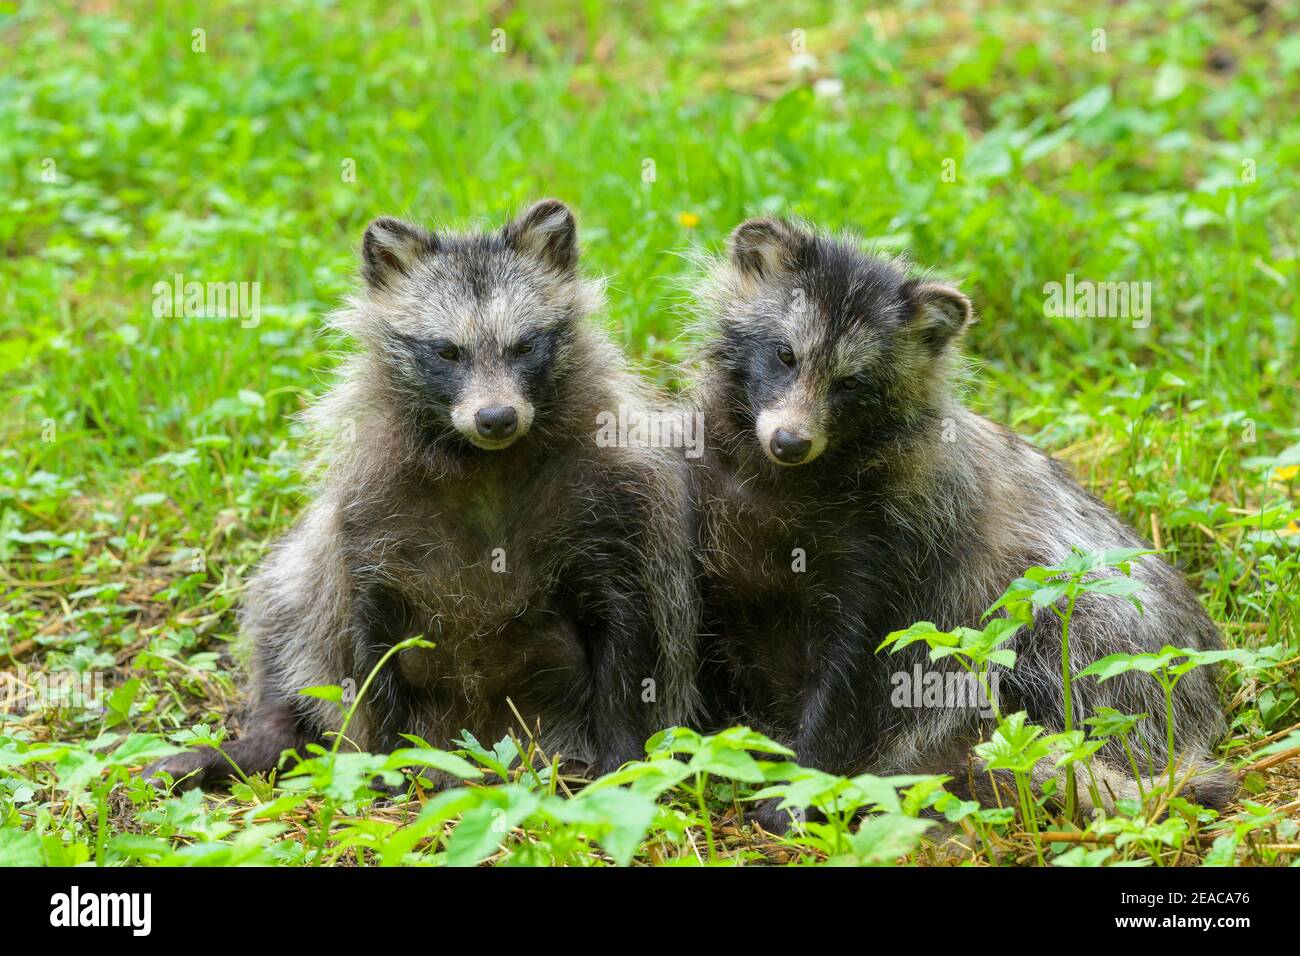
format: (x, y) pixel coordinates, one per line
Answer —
(147, 462)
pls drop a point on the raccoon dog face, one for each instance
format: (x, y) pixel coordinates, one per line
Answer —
(474, 331)
(825, 349)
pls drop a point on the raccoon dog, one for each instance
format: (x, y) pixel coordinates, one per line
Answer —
(464, 498)
(846, 493)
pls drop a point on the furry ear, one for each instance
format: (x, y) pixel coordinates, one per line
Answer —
(548, 231)
(765, 247)
(392, 247)
(940, 313)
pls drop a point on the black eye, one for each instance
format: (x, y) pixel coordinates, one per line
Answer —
(523, 348)
(448, 352)
(785, 355)
(849, 384)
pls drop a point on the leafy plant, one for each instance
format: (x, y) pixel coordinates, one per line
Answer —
(1167, 667)
(1056, 585)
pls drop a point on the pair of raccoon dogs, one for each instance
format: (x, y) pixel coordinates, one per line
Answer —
(608, 590)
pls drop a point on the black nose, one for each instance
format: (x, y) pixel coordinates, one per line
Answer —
(788, 448)
(497, 422)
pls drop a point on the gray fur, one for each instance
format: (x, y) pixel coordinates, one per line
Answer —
(401, 536)
(909, 507)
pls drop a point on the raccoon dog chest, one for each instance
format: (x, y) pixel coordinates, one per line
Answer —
(490, 568)
(780, 577)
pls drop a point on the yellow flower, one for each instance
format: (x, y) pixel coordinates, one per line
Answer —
(1286, 473)
(688, 219)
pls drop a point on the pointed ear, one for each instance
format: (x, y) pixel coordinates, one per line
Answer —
(548, 231)
(940, 313)
(391, 247)
(765, 247)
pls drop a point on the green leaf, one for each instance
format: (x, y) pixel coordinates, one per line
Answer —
(19, 847)
(650, 777)
(1119, 586)
(485, 827)
(921, 631)
(742, 738)
(1081, 856)
(142, 749)
(727, 763)
(675, 740)
(882, 840)
(330, 692)
(1115, 664)
(1015, 745)
(1108, 722)
(1089, 105)
(435, 759)
(118, 703)
(620, 819)
(498, 760)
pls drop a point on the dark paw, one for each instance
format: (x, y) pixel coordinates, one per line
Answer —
(573, 767)
(602, 766)
(611, 758)
(190, 769)
(769, 815)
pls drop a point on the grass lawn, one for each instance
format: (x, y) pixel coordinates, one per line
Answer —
(147, 461)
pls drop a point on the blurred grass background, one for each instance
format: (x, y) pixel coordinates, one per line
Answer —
(145, 462)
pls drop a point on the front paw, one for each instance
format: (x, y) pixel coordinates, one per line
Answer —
(770, 815)
(188, 770)
(603, 765)
(610, 759)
